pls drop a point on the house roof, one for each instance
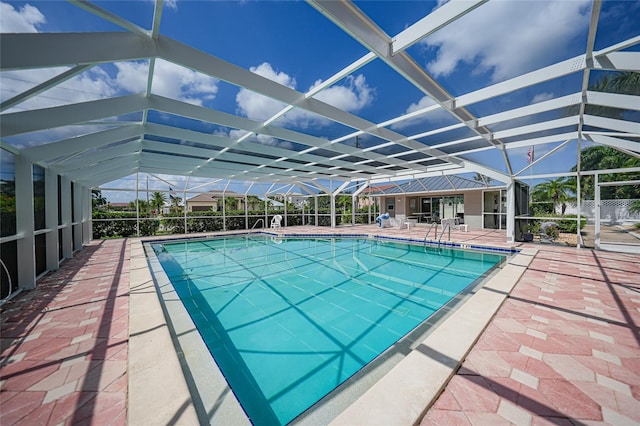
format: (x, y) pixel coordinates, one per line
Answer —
(434, 184)
(211, 196)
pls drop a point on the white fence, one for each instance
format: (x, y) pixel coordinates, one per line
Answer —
(613, 212)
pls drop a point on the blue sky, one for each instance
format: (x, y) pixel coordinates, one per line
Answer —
(290, 42)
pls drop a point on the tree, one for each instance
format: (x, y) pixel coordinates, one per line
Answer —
(624, 83)
(142, 206)
(255, 203)
(175, 203)
(97, 200)
(231, 203)
(603, 158)
(557, 190)
(157, 201)
(485, 180)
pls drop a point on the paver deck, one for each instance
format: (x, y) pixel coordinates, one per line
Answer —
(564, 348)
(65, 344)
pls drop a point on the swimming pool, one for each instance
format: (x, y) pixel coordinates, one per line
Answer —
(288, 320)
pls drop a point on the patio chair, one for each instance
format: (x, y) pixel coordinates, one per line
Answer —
(275, 222)
(399, 220)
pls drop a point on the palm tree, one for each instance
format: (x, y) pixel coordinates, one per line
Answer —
(157, 201)
(558, 190)
(624, 83)
(175, 202)
(603, 158)
(485, 180)
(97, 199)
(231, 203)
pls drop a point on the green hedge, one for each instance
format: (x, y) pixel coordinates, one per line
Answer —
(121, 224)
(571, 226)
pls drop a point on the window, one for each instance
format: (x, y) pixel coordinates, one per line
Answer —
(494, 209)
(7, 194)
(39, 210)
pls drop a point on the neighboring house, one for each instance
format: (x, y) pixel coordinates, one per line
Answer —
(444, 197)
(118, 207)
(365, 200)
(212, 200)
(275, 205)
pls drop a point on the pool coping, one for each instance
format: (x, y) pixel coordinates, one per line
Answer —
(159, 385)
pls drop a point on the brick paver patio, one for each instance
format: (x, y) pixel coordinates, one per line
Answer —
(563, 349)
(64, 345)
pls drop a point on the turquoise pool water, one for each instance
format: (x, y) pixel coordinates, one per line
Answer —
(288, 320)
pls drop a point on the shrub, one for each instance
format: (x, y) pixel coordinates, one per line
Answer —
(121, 224)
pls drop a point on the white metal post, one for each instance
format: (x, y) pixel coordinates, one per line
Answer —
(51, 218)
(77, 219)
(597, 208)
(67, 220)
(137, 205)
(25, 223)
(87, 231)
(511, 211)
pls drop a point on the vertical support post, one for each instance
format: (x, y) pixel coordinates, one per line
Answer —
(284, 200)
(511, 211)
(137, 205)
(67, 220)
(596, 186)
(224, 212)
(86, 216)
(246, 212)
(51, 218)
(25, 223)
(77, 219)
(315, 200)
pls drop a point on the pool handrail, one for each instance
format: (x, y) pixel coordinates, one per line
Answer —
(257, 221)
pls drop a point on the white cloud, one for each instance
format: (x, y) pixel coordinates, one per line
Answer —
(93, 84)
(508, 38)
(541, 97)
(23, 20)
(424, 102)
(351, 96)
(258, 107)
(169, 80)
(171, 4)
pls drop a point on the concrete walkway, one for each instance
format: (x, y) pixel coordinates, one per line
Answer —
(564, 347)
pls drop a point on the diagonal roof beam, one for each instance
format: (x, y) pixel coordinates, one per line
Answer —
(191, 58)
(95, 180)
(613, 100)
(431, 23)
(34, 91)
(108, 16)
(17, 123)
(612, 124)
(80, 143)
(614, 142)
(93, 158)
(98, 47)
(43, 50)
(228, 120)
(219, 141)
(105, 166)
(354, 22)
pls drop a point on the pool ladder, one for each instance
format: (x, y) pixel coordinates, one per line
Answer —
(257, 222)
(434, 225)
